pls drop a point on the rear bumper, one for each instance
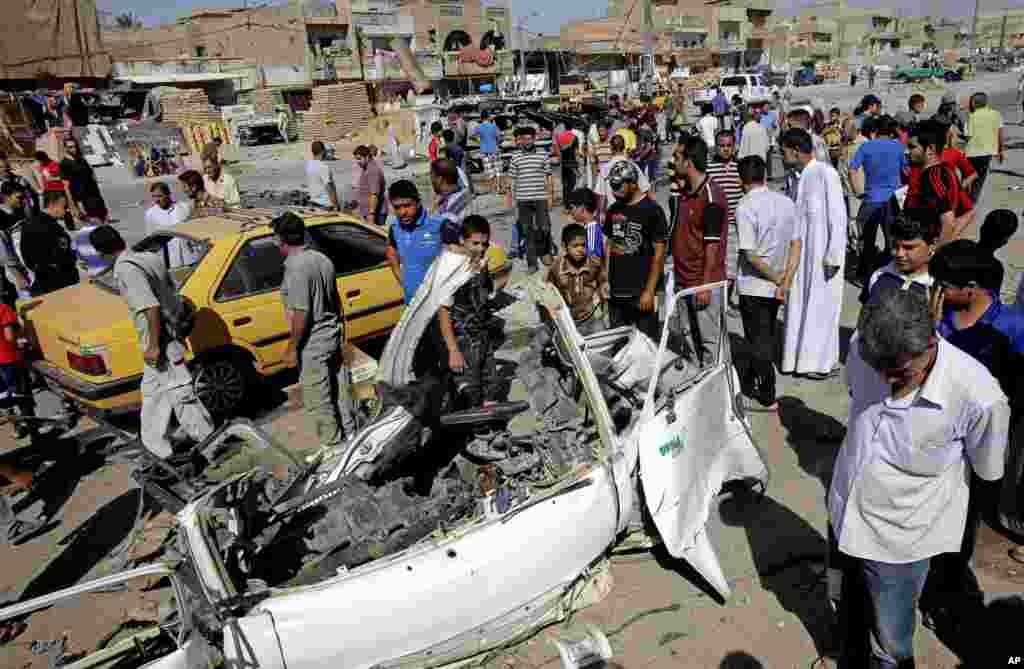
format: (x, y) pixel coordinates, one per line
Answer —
(95, 398)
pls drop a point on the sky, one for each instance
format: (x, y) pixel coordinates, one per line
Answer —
(544, 16)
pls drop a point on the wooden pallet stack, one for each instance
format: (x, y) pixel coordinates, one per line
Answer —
(830, 71)
(337, 110)
(187, 108)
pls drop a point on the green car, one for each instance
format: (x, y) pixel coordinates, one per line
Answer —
(909, 74)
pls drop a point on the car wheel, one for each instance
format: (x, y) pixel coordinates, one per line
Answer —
(221, 383)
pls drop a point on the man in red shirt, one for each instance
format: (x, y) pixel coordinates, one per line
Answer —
(937, 192)
(698, 251)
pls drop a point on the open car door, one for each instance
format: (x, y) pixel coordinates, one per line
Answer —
(129, 620)
(691, 436)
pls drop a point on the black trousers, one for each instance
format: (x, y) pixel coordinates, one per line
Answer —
(626, 311)
(760, 327)
(568, 182)
(535, 225)
(980, 165)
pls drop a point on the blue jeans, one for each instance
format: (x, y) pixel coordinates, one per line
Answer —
(889, 594)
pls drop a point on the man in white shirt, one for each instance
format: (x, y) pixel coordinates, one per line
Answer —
(320, 180)
(899, 490)
(219, 184)
(755, 140)
(165, 212)
(708, 125)
(768, 257)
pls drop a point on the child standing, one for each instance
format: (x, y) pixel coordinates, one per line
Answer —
(582, 280)
(582, 205)
(434, 150)
(467, 321)
(15, 391)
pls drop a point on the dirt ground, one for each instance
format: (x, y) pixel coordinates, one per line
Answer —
(657, 614)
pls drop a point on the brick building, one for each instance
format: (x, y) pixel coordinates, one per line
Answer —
(58, 39)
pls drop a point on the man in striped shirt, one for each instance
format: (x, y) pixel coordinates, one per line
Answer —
(722, 170)
(601, 150)
(530, 170)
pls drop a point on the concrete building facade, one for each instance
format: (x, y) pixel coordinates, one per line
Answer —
(57, 39)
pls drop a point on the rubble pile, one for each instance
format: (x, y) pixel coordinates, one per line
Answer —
(190, 107)
(337, 111)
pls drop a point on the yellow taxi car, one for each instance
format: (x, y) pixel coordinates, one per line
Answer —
(231, 268)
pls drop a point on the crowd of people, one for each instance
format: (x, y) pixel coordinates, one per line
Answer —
(933, 368)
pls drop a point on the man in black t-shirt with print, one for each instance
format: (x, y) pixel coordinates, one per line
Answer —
(635, 233)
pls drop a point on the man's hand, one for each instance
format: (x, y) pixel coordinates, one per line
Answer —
(456, 361)
(647, 301)
(702, 299)
(291, 358)
(780, 293)
(151, 355)
(830, 271)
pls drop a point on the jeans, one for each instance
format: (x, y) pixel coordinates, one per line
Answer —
(535, 226)
(871, 217)
(626, 311)
(760, 327)
(980, 165)
(880, 601)
(568, 182)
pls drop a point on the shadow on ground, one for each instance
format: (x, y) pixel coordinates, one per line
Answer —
(785, 549)
(55, 486)
(740, 660)
(88, 544)
(814, 436)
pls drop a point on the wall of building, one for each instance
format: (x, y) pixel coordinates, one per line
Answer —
(59, 38)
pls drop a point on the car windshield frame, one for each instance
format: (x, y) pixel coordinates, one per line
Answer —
(180, 275)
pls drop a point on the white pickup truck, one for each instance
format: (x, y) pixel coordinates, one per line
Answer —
(750, 87)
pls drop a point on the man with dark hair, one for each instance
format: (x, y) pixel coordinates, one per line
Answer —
(530, 171)
(450, 201)
(987, 138)
(165, 212)
(159, 314)
(936, 194)
(414, 237)
(370, 191)
(323, 191)
(898, 496)
(877, 170)
(722, 170)
(814, 304)
(490, 139)
(309, 293)
(699, 246)
(9, 176)
(634, 241)
(600, 150)
(583, 206)
(12, 218)
(975, 321)
(999, 227)
(912, 244)
(769, 255)
(46, 247)
(452, 148)
(219, 184)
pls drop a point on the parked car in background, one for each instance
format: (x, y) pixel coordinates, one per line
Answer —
(750, 87)
(807, 76)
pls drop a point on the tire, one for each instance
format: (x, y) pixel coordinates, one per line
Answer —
(222, 383)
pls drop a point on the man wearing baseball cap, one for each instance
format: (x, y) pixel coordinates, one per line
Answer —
(635, 233)
(870, 105)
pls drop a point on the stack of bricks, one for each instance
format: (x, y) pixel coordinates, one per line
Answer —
(337, 110)
(264, 100)
(189, 107)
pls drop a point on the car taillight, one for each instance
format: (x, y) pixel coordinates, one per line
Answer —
(90, 364)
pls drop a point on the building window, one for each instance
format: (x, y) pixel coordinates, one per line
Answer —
(200, 52)
(450, 10)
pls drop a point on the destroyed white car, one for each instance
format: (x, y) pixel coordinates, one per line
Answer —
(427, 540)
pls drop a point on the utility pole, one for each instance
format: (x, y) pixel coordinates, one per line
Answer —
(974, 36)
(1002, 31)
(522, 54)
(650, 41)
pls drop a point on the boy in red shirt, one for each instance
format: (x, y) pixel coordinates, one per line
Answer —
(15, 390)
